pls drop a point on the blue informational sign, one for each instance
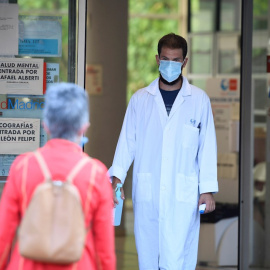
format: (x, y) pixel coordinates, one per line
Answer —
(38, 47)
(40, 36)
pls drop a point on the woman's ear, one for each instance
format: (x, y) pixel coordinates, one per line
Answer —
(83, 129)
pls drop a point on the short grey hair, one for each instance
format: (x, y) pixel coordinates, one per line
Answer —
(66, 110)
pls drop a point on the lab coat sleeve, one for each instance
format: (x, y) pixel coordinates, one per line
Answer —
(207, 153)
(125, 150)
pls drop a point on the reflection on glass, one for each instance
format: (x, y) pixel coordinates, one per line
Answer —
(218, 244)
(260, 14)
(201, 83)
(202, 15)
(52, 9)
(34, 17)
(258, 61)
(259, 51)
(200, 56)
(230, 19)
(260, 81)
(259, 185)
(259, 176)
(229, 54)
(260, 95)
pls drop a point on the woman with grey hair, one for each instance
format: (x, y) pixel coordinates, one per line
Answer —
(65, 113)
(66, 118)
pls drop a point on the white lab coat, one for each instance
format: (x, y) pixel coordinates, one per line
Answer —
(175, 160)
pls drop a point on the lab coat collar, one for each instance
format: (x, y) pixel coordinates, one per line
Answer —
(186, 88)
(153, 88)
(185, 91)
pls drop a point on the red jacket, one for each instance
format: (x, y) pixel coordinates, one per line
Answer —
(60, 156)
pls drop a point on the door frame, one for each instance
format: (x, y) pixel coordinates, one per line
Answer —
(246, 140)
(81, 50)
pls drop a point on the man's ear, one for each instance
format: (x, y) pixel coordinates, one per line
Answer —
(46, 128)
(185, 62)
(157, 59)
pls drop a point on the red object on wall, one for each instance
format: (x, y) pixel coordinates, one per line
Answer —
(268, 64)
(233, 84)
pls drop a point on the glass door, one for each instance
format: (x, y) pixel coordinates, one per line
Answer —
(260, 225)
(255, 137)
(42, 42)
(215, 54)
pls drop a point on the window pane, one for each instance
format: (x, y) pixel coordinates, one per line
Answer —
(230, 19)
(229, 54)
(51, 9)
(260, 94)
(260, 15)
(201, 83)
(44, 35)
(202, 15)
(201, 54)
(259, 51)
(260, 86)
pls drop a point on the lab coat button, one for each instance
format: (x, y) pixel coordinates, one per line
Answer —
(163, 188)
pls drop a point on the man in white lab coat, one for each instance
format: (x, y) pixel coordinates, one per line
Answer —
(169, 133)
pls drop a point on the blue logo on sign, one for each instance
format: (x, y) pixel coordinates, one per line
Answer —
(224, 84)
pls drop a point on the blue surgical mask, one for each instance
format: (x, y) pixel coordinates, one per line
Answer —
(170, 70)
(84, 140)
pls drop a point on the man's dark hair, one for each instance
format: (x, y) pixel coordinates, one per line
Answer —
(173, 41)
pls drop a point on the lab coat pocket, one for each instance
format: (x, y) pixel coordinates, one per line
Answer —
(190, 136)
(186, 188)
(143, 191)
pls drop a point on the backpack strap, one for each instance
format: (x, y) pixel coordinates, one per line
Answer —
(90, 187)
(43, 166)
(76, 169)
(24, 178)
(71, 175)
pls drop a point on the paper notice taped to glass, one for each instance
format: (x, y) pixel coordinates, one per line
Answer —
(9, 28)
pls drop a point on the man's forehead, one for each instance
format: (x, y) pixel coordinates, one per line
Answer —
(166, 51)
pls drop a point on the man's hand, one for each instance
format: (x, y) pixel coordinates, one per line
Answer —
(209, 200)
(115, 181)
